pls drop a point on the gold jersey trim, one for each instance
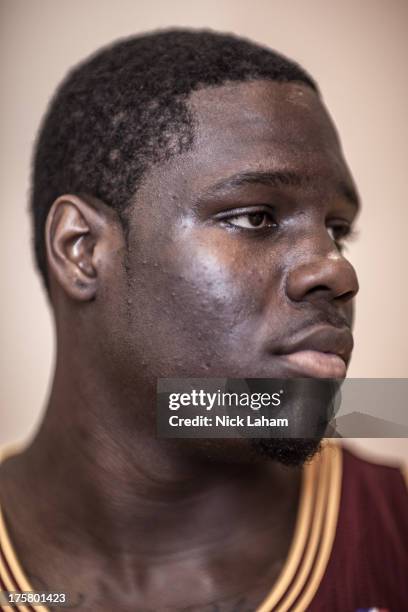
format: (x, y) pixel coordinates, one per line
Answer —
(13, 578)
(313, 537)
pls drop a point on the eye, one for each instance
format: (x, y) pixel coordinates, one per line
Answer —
(252, 220)
(340, 233)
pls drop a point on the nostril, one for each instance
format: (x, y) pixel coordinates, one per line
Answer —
(319, 288)
(319, 292)
(346, 297)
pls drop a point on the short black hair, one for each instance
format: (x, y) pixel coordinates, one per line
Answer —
(124, 108)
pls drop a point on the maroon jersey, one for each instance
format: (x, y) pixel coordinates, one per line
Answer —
(368, 565)
(350, 548)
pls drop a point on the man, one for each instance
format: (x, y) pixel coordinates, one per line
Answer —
(190, 204)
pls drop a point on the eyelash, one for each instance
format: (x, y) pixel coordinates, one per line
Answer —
(227, 218)
(345, 233)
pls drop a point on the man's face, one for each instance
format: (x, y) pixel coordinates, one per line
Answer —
(233, 267)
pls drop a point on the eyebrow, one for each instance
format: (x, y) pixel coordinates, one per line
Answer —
(279, 179)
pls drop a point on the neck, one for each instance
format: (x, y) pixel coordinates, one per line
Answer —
(121, 491)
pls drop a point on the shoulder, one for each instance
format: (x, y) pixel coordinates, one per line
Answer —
(372, 522)
(373, 488)
(369, 559)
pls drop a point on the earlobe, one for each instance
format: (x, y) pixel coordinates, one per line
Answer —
(72, 230)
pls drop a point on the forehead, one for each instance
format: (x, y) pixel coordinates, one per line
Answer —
(289, 113)
(251, 127)
(283, 122)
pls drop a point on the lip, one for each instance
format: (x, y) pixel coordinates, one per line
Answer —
(323, 352)
(315, 364)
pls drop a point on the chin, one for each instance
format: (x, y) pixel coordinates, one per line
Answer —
(287, 451)
(249, 451)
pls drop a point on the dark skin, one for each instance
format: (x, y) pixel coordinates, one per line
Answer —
(118, 518)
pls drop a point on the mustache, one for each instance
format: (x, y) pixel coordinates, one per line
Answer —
(328, 317)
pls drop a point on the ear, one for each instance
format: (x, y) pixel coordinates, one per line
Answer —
(79, 236)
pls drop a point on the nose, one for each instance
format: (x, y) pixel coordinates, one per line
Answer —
(327, 276)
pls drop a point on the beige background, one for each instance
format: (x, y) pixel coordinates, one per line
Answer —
(357, 51)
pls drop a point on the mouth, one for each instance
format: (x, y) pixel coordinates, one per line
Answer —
(322, 353)
(316, 364)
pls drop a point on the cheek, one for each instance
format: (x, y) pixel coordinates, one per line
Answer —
(199, 304)
(220, 279)
(215, 281)
(222, 288)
